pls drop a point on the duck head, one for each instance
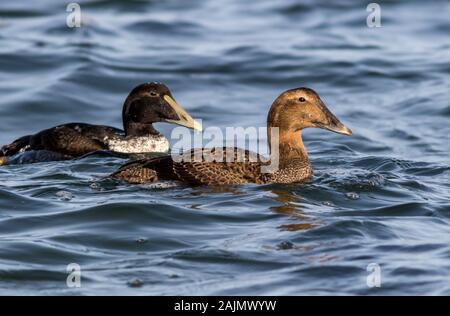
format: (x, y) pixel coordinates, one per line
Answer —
(150, 103)
(301, 108)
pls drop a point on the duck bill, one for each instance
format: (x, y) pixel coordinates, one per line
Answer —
(338, 128)
(184, 118)
(332, 123)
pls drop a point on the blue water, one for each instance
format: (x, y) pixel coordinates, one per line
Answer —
(381, 196)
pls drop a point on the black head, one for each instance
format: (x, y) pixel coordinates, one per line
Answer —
(151, 103)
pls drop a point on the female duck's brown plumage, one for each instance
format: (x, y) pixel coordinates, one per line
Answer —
(291, 112)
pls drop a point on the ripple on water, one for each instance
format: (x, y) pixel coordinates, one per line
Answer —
(225, 64)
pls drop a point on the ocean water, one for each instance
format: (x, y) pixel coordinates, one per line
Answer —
(380, 197)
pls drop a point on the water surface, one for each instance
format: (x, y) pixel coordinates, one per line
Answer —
(381, 196)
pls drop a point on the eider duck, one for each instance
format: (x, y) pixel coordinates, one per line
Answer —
(146, 104)
(293, 111)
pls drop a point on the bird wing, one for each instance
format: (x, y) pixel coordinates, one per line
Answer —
(65, 140)
(73, 139)
(218, 166)
(146, 170)
(203, 166)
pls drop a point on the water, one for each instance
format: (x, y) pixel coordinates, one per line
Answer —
(381, 196)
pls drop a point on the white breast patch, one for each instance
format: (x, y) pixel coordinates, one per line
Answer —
(134, 145)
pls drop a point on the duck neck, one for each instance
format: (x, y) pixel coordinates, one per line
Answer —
(291, 149)
(129, 115)
(133, 129)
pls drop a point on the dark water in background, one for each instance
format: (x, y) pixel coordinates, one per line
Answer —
(381, 196)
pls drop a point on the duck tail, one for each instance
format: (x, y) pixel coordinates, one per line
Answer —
(135, 173)
(15, 146)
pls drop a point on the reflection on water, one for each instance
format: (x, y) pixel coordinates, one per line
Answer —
(293, 209)
(299, 226)
(380, 196)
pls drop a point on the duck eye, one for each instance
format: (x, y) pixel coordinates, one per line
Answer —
(302, 99)
(153, 94)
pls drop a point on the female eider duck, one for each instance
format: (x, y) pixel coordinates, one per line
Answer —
(146, 104)
(290, 113)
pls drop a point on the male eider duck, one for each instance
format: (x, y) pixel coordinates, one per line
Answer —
(290, 113)
(146, 104)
